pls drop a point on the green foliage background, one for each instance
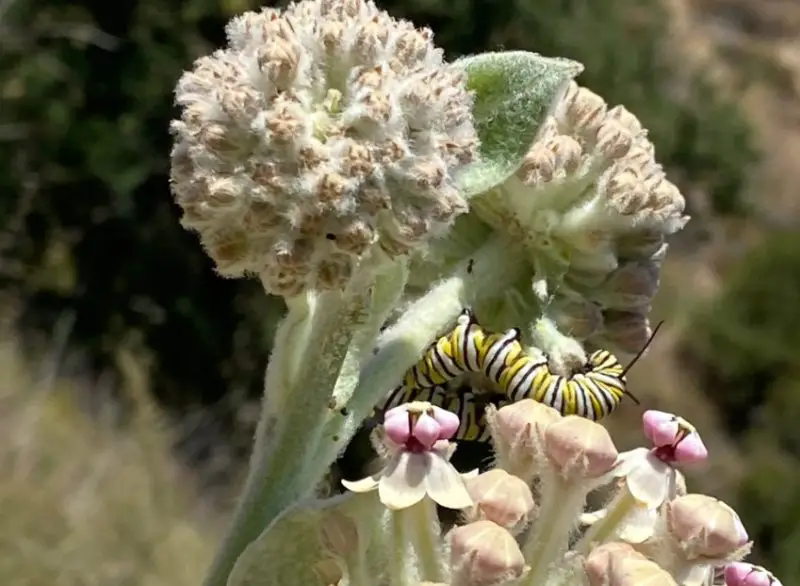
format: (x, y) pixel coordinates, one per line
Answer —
(88, 229)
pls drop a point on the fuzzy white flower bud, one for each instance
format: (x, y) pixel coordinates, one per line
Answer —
(590, 210)
(485, 554)
(502, 498)
(319, 131)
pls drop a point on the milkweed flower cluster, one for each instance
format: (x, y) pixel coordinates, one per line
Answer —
(590, 210)
(319, 132)
(524, 521)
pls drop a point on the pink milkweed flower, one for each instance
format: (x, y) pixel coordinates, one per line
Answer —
(744, 574)
(417, 460)
(419, 431)
(675, 440)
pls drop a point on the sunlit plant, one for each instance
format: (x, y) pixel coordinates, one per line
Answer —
(332, 152)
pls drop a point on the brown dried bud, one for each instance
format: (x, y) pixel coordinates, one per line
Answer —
(627, 331)
(579, 318)
(582, 110)
(705, 526)
(500, 497)
(631, 286)
(579, 448)
(484, 554)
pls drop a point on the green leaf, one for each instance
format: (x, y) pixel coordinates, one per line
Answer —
(514, 93)
(285, 554)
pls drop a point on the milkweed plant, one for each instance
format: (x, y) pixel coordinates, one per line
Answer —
(331, 151)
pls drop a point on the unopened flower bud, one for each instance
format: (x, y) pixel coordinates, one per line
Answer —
(500, 497)
(484, 554)
(517, 434)
(579, 317)
(613, 140)
(705, 526)
(579, 448)
(637, 572)
(598, 564)
(630, 287)
(626, 330)
(322, 129)
(645, 244)
(744, 574)
(525, 421)
(582, 110)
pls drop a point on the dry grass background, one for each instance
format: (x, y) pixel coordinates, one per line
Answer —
(91, 502)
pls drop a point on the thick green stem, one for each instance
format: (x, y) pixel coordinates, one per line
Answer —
(604, 528)
(423, 527)
(289, 437)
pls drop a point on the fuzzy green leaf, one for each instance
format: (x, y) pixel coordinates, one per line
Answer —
(515, 91)
(285, 554)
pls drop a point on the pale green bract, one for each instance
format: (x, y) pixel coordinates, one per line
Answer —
(514, 91)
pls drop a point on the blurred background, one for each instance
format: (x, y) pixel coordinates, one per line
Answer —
(131, 373)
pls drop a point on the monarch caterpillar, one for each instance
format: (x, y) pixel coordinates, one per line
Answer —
(594, 393)
(469, 406)
(454, 353)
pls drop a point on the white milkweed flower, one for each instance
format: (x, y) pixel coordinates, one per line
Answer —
(319, 131)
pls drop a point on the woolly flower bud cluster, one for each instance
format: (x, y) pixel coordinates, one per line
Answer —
(592, 209)
(525, 522)
(320, 131)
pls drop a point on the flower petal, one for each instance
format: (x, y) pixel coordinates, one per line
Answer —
(448, 422)
(364, 484)
(445, 485)
(397, 426)
(660, 427)
(691, 450)
(594, 517)
(649, 481)
(639, 524)
(426, 430)
(403, 483)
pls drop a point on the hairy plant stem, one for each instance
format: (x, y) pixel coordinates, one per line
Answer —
(561, 503)
(423, 525)
(399, 547)
(300, 381)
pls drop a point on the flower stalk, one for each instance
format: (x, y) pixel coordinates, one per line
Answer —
(561, 503)
(281, 468)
